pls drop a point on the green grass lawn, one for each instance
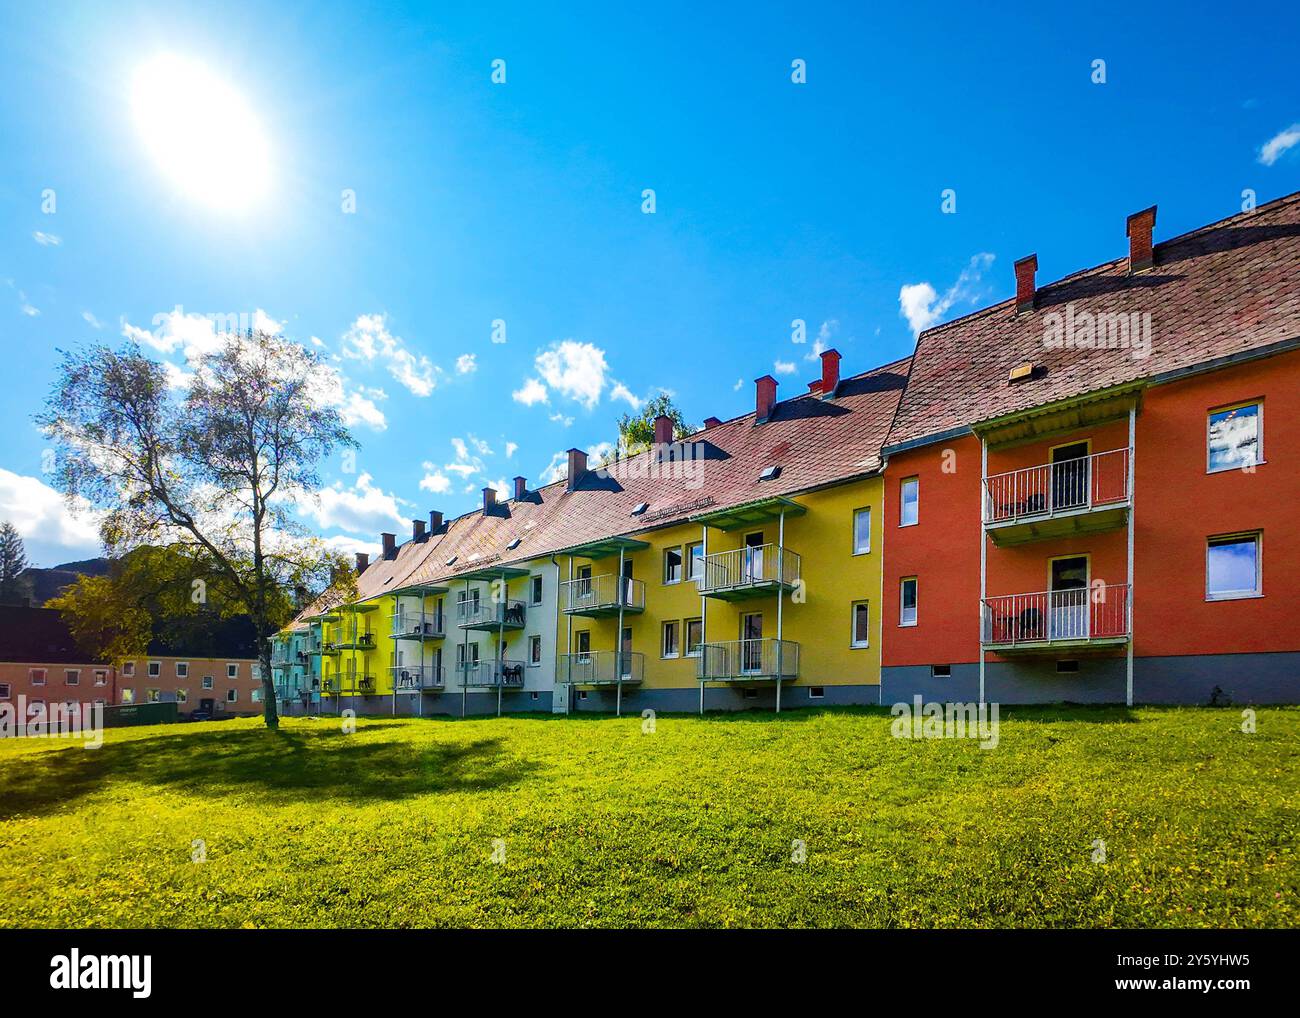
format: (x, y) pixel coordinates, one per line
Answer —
(691, 825)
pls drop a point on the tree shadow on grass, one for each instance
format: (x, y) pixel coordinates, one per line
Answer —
(326, 765)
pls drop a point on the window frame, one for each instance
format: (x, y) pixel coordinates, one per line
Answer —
(903, 581)
(154, 671)
(32, 674)
(6, 690)
(128, 669)
(1255, 536)
(915, 479)
(100, 677)
(207, 682)
(854, 534)
(854, 642)
(232, 695)
(232, 669)
(673, 626)
(72, 676)
(681, 565)
(536, 590)
(182, 696)
(1259, 434)
(688, 561)
(686, 637)
(153, 695)
(534, 651)
(182, 674)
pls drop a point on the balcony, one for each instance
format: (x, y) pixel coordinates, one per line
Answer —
(491, 674)
(749, 660)
(356, 641)
(414, 626)
(419, 678)
(1082, 618)
(601, 668)
(490, 615)
(757, 571)
(602, 596)
(348, 684)
(1075, 496)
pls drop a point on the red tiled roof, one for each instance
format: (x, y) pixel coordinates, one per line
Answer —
(815, 442)
(1227, 288)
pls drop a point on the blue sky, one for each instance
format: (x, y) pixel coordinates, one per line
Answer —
(522, 202)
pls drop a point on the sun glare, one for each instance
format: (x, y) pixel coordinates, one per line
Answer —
(201, 133)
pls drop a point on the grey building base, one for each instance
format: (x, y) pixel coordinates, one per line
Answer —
(1188, 680)
(602, 699)
(478, 703)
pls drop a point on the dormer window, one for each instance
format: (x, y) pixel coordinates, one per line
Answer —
(513, 544)
(770, 473)
(640, 508)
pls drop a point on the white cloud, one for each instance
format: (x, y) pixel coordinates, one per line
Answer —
(532, 392)
(923, 307)
(91, 320)
(557, 469)
(563, 420)
(600, 452)
(46, 239)
(783, 367)
(363, 508)
(621, 391)
(358, 406)
(823, 341)
(434, 480)
(344, 545)
(466, 364)
(51, 532)
(262, 322)
(503, 490)
(511, 447)
(30, 311)
(573, 369)
(193, 334)
(739, 383)
(368, 339)
(1273, 149)
(176, 377)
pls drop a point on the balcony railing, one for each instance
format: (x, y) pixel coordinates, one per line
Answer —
(749, 571)
(739, 660)
(507, 674)
(1066, 486)
(348, 684)
(602, 595)
(414, 626)
(356, 641)
(602, 667)
(416, 678)
(486, 614)
(1078, 616)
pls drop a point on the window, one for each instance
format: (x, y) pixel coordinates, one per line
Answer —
(537, 590)
(72, 676)
(861, 531)
(583, 638)
(535, 651)
(182, 669)
(941, 671)
(207, 682)
(257, 694)
(101, 677)
(128, 696)
(672, 565)
(4, 691)
(182, 695)
(582, 694)
(861, 636)
(128, 669)
(907, 602)
(1234, 437)
(152, 695)
(670, 639)
(155, 669)
(909, 508)
(232, 696)
(533, 694)
(749, 694)
(695, 560)
(816, 692)
(232, 671)
(36, 676)
(1232, 567)
(1066, 667)
(694, 633)
(460, 654)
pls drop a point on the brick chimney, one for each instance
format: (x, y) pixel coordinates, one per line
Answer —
(363, 560)
(1025, 269)
(489, 497)
(417, 530)
(577, 467)
(764, 398)
(1138, 229)
(663, 430)
(521, 487)
(830, 372)
(435, 521)
(390, 544)
(711, 422)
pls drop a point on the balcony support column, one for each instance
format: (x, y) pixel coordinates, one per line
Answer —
(502, 605)
(984, 552)
(464, 661)
(1128, 606)
(618, 638)
(703, 666)
(780, 601)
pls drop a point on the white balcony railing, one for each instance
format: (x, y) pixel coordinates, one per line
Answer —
(478, 613)
(508, 674)
(749, 659)
(599, 667)
(413, 625)
(1066, 486)
(1099, 612)
(758, 566)
(413, 678)
(602, 593)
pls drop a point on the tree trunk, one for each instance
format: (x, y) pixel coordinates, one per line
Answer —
(270, 709)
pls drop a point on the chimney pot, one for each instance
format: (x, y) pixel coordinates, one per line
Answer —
(830, 373)
(764, 398)
(435, 521)
(1138, 229)
(489, 497)
(711, 422)
(663, 430)
(390, 544)
(417, 530)
(577, 467)
(363, 560)
(1025, 287)
(521, 487)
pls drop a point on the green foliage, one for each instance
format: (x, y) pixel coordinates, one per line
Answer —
(636, 432)
(691, 825)
(13, 560)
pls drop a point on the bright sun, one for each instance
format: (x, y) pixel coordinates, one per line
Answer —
(201, 133)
